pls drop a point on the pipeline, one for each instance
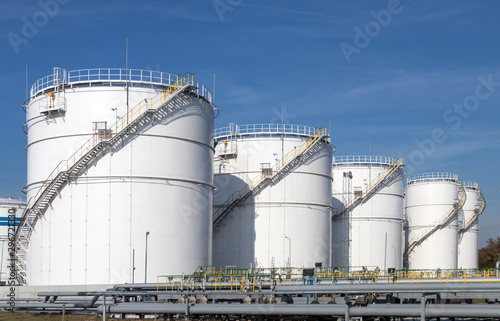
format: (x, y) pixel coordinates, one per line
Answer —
(396, 310)
(390, 288)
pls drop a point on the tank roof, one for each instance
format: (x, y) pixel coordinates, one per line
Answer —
(362, 160)
(263, 130)
(12, 201)
(109, 77)
(470, 185)
(432, 177)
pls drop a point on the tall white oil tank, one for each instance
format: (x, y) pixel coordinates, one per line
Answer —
(272, 202)
(11, 210)
(433, 201)
(367, 226)
(468, 233)
(142, 205)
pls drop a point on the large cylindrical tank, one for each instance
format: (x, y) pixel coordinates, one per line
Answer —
(11, 210)
(431, 211)
(142, 207)
(287, 222)
(368, 233)
(469, 226)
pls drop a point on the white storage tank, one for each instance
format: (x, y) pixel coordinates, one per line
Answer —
(11, 210)
(285, 221)
(367, 224)
(468, 233)
(140, 208)
(431, 212)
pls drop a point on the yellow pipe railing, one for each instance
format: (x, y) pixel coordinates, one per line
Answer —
(250, 280)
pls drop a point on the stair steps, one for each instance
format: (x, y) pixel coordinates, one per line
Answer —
(283, 166)
(160, 106)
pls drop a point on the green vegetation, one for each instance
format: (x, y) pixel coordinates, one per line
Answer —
(488, 255)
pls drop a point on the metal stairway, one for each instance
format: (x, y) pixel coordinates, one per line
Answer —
(371, 188)
(138, 116)
(473, 218)
(283, 166)
(438, 223)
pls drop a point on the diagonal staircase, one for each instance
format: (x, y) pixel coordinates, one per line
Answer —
(141, 114)
(477, 212)
(438, 223)
(285, 165)
(374, 185)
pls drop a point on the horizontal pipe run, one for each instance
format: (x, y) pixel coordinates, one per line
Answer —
(221, 294)
(47, 306)
(126, 286)
(406, 310)
(252, 309)
(97, 293)
(390, 288)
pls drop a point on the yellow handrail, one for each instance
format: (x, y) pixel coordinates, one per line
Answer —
(372, 185)
(414, 241)
(476, 214)
(286, 159)
(65, 165)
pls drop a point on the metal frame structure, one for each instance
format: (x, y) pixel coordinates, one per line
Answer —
(257, 130)
(110, 76)
(371, 296)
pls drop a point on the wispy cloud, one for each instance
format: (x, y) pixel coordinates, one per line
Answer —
(417, 83)
(430, 13)
(109, 11)
(455, 149)
(293, 12)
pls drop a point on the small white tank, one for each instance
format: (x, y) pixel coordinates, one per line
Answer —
(369, 232)
(11, 210)
(287, 222)
(468, 226)
(431, 211)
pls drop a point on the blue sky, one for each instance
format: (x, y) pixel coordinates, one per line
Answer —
(392, 94)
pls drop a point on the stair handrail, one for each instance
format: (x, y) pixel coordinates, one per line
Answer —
(285, 160)
(437, 224)
(180, 84)
(119, 125)
(477, 212)
(372, 186)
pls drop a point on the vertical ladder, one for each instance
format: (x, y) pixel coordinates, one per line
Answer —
(374, 185)
(350, 202)
(347, 195)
